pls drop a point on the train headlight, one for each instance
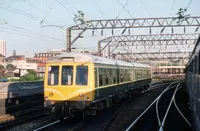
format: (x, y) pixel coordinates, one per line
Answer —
(46, 97)
(81, 95)
(51, 94)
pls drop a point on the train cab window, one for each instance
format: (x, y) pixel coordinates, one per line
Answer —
(53, 74)
(67, 75)
(81, 75)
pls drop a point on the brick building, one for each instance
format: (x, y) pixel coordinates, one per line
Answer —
(42, 58)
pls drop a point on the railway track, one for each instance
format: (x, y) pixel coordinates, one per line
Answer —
(102, 119)
(10, 121)
(135, 108)
(159, 114)
(78, 124)
(115, 118)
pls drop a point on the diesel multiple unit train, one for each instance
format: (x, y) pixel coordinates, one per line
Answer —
(87, 83)
(193, 83)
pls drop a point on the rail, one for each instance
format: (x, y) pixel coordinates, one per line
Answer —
(154, 102)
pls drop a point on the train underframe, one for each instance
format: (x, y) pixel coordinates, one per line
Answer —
(81, 109)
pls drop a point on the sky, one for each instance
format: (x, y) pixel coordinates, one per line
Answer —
(33, 26)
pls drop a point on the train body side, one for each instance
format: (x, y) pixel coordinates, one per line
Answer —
(113, 80)
(193, 84)
(80, 80)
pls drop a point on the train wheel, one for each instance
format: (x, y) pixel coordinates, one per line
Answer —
(62, 113)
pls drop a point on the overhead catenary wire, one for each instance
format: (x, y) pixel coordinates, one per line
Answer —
(65, 7)
(23, 13)
(70, 5)
(99, 9)
(124, 8)
(39, 9)
(20, 12)
(45, 16)
(172, 8)
(26, 35)
(29, 32)
(189, 4)
(30, 4)
(146, 8)
(34, 33)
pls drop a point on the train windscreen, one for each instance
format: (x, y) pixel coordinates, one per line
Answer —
(81, 75)
(53, 75)
(67, 75)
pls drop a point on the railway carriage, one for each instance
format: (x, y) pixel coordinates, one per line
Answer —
(193, 84)
(76, 81)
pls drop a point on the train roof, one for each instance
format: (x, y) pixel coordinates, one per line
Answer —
(80, 57)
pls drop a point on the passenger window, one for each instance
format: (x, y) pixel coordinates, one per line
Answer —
(114, 76)
(53, 73)
(121, 75)
(100, 80)
(100, 77)
(67, 75)
(81, 75)
(106, 76)
(96, 77)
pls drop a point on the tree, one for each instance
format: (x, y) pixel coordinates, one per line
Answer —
(30, 76)
(1, 67)
(27, 77)
(32, 72)
(10, 66)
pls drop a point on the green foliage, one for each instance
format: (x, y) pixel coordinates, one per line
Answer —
(1, 67)
(14, 80)
(10, 66)
(162, 64)
(32, 72)
(31, 76)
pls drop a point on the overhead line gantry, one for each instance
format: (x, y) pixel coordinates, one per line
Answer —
(161, 23)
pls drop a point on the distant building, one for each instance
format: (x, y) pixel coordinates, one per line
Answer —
(41, 59)
(21, 63)
(2, 59)
(3, 47)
